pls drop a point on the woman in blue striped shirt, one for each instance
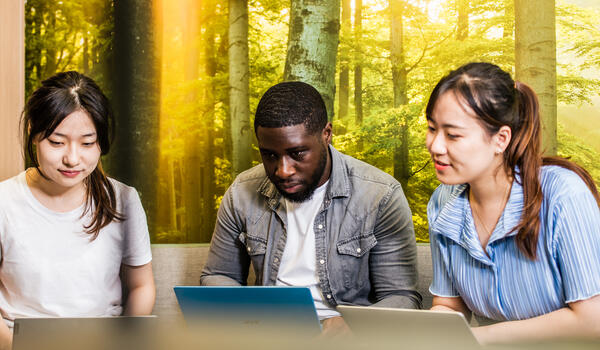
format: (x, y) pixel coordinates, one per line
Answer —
(515, 237)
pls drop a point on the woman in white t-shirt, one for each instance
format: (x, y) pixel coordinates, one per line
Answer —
(70, 236)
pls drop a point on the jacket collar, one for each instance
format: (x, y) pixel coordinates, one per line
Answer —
(339, 183)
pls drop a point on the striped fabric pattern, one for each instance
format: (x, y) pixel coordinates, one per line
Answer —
(503, 284)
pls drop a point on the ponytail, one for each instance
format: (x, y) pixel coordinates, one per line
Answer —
(524, 152)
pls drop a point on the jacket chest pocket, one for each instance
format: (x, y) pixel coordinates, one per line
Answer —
(354, 256)
(256, 247)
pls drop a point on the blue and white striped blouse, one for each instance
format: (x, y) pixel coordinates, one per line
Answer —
(504, 284)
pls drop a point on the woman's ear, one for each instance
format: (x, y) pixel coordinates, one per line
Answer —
(502, 139)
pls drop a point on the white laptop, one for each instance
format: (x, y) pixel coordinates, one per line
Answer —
(121, 332)
(421, 329)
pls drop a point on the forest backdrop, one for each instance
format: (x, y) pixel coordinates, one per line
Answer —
(185, 77)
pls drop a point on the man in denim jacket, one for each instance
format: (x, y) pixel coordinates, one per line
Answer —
(312, 216)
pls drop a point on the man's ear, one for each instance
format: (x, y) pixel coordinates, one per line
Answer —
(502, 138)
(327, 133)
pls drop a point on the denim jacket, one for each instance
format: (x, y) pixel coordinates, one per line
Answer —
(365, 241)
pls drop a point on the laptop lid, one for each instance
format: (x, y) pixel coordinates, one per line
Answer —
(84, 333)
(420, 328)
(256, 307)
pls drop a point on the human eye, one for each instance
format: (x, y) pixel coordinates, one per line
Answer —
(89, 144)
(453, 136)
(298, 155)
(268, 155)
(54, 143)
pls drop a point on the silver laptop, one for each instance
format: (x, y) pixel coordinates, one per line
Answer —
(421, 329)
(88, 333)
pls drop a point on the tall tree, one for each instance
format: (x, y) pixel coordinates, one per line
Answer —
(239, 73)
(399, 79)
(344, 61)
(312, 46)
(535, 60)
(136, 86)
(208, 116)
(358, 89)
(462, 31)
(193, 140)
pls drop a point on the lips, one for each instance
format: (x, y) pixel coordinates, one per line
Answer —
(70, 173)
(440, 165)
(290, 187)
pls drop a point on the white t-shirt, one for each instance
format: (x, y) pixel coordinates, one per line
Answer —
(299, 262)
(49, 267)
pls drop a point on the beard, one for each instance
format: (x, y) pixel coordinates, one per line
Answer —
(311, 184)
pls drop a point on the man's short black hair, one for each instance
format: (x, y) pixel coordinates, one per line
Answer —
(291, 103)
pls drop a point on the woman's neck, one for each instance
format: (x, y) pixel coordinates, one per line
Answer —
(491, 189)
(54, 197)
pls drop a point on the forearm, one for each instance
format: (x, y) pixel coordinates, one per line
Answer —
(140, 301)
(6, 336)
(563, 323)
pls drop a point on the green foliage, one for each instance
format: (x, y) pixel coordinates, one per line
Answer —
(67, 35)
(192, 109)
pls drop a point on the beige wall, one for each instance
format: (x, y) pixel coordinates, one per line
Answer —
(12, 84)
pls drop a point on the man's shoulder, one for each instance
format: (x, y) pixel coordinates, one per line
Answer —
(256, 174)
(359, 170)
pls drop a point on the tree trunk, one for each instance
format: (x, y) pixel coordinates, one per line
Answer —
(535, 60)
(344, 64)
(136, 80)
(399, 78)
(210, 69)
(358, 105)
(239, 73)
(462, 31)
(312, 46)
(193, 151)
(508, 26)
(85, 57)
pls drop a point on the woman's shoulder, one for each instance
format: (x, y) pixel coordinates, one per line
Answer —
(557, 181)
(11, 187)
(124, 193)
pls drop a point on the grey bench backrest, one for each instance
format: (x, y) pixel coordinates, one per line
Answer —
(180, 264)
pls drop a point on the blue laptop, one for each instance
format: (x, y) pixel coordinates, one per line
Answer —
(249, 307)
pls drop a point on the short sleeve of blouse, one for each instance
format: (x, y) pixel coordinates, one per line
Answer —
(577, 244)
(441, 285)
(137, 250)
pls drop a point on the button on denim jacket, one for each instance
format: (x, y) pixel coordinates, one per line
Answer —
(365, 242)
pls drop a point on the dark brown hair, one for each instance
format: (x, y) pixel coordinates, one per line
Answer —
(498, 100)
(58, 97)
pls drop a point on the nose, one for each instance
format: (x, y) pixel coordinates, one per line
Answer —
(436, 143)
(285, 168)
(71, 157)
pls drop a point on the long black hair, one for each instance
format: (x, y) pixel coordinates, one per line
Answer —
(58, 97)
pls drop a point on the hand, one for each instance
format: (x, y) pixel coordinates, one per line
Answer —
(335, 327)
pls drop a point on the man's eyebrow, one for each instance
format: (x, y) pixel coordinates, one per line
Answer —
(295, 149)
